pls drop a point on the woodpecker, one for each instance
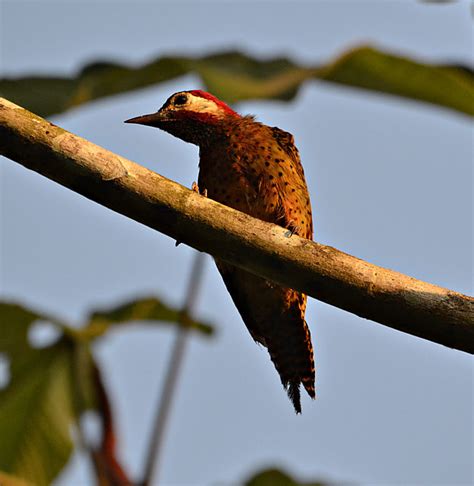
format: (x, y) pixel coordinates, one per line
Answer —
(256, 169)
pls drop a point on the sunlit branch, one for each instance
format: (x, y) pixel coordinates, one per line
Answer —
(373, 292)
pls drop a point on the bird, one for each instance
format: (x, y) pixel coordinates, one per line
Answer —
(256, 169)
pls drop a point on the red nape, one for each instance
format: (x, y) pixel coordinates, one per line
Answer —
(217, 101)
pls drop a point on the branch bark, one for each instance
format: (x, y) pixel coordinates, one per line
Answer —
(387, 297)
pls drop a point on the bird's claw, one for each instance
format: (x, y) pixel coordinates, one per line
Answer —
(291, 231)
(195, 188)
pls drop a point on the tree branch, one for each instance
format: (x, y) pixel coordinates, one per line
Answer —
(390, 298)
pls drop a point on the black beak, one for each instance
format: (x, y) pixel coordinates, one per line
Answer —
(151, 120)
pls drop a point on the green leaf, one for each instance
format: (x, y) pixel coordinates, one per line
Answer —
(50, 387)
(9, 480)
(235, 76)
(83, 368)
(144, 311)
(276, 477)
(36, 409)
(16, 321)
(367, 68)
(47, 391)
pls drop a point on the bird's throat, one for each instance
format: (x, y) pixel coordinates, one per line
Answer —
(197, 128)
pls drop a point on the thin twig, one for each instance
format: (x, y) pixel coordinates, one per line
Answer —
(171, 380)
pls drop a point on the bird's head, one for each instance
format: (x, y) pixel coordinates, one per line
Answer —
(194, 116)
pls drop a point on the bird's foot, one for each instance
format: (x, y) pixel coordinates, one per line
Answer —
(291, 231)
(195, 188)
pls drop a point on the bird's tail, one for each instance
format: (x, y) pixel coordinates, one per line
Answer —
(274, 316)
(291, 351)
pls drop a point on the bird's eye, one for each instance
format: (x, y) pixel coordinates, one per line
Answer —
(180, 100)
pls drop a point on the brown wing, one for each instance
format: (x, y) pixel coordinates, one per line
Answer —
(287, 142)
(295, 202)
(274, 316)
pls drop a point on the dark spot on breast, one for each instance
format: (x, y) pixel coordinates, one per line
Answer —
(293, 190)
(273, 185)
(287, 183)
(280, 173)
(270, 177)
(267, 164)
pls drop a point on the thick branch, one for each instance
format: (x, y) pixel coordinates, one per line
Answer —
(385, 296)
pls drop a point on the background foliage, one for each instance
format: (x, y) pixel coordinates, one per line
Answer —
(49, 385)
(235, 76)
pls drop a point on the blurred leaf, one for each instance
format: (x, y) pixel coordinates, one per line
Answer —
(83, 367)
(234, 76)
(9, 480)
(48, 390)
(36, 409)
(16, 321)
(276, 477)
(448, 86)
(91, 394)
(108, 469)
(50, 387)
(150, 310)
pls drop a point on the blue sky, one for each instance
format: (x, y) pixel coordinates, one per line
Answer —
(390, 181)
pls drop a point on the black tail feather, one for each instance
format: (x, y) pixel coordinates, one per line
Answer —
(293, 390)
